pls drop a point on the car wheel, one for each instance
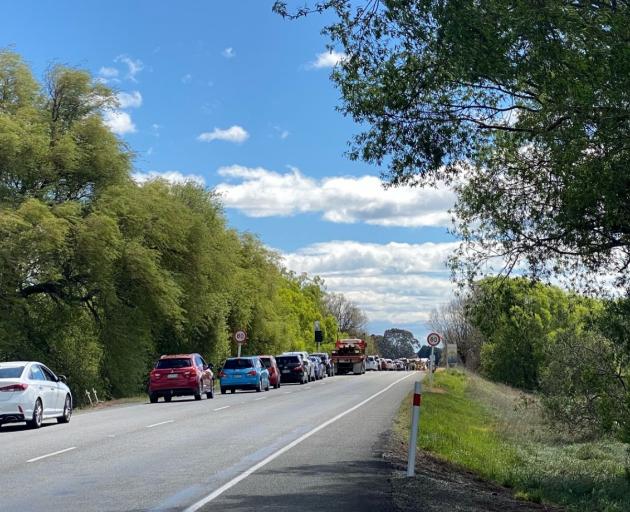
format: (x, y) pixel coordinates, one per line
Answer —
(268, 386)
(277, 384)
(199, 392)
(167, 398)
(67, 411)
(38, 413)
(210, 394)
(232, 391)
(259, 386)
(153, 398)
(223, 391)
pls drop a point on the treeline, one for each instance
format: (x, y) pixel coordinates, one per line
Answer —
(99, 275)
(571, 349)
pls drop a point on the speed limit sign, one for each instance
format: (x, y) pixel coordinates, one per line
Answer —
(240, 337)
(433, 339)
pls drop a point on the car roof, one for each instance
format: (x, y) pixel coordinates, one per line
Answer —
(11, 364)
(177, 356)
(266, 356)
(242, 357)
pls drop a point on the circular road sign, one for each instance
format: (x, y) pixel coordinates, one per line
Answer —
(240, 337)
(433, 339)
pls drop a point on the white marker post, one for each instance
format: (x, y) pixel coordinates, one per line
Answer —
(413, 435)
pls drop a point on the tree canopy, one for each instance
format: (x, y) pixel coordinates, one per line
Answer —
(523, 106)
(99, 275)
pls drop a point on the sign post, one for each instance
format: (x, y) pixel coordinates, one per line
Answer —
(319, 336)
(241, 338)
(433, 340)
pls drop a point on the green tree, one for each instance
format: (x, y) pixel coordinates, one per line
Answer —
(523, 106)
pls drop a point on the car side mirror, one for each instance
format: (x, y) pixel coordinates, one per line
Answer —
(61, 378)
(205, 367)
(211, 366)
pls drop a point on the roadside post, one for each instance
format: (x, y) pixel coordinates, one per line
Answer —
(241, 338)
(413, 435)
(433, 340)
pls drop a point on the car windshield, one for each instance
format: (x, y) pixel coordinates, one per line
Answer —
(174, 363)
(11, 372)
(237, 364)
(284, 360)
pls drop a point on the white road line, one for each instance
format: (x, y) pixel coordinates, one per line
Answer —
(221, 408)
(261, 398)
(160, 423)
(225, 487)
(288, 392)
(51, 454)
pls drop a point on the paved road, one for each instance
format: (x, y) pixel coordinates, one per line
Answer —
(309, 447)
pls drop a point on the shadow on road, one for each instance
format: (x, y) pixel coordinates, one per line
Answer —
(345, 485)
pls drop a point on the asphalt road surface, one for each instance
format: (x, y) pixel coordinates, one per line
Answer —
(302, 447)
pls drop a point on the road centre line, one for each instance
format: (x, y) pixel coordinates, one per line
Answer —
(221, 408)
(51, 454)
(227, 486)
(160, 423)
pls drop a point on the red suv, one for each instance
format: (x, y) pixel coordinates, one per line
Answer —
(269, 362)
(180, 375)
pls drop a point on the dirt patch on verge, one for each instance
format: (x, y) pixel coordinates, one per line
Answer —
(441, 487)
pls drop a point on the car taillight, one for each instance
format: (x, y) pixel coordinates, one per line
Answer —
(155, 375)
(221, 374)
(14, 387)
(298, 369)
(251, 372)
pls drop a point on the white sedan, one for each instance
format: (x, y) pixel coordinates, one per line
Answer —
(371, 363)
(31, 392)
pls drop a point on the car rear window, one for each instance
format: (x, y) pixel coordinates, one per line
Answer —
(285, 360)
(11, 372)
(266, 361)
(174, 363)
(236, 364)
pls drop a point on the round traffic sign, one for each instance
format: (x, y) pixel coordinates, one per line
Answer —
(240, 336)
(433, 339)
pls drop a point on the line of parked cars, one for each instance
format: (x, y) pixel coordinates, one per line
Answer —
(30, 392)
(377, 363)
(189, 374)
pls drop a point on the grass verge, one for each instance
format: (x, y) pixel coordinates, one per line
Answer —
(499, 434)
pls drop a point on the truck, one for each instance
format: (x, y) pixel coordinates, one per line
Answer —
(349, 356)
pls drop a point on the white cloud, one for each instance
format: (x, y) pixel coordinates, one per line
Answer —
(229, 53)
(397, 283)
(108, 72)
(350, 199)
(134, 66)
(129, 100)
(232, 134)
(187, 78)
(119, 122)
(327, 60)
(170, 176)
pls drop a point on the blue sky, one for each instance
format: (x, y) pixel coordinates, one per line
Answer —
(233, 96)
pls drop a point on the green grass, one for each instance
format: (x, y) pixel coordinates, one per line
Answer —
(500, 434)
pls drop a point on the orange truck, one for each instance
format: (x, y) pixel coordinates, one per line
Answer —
(349, 356)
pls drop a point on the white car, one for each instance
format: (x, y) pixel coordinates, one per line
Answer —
(371, 363)
(31, 392)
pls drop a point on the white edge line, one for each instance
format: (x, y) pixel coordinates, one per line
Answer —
(51, 454)
(160, 423)
(210, 497)
(221, 408)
